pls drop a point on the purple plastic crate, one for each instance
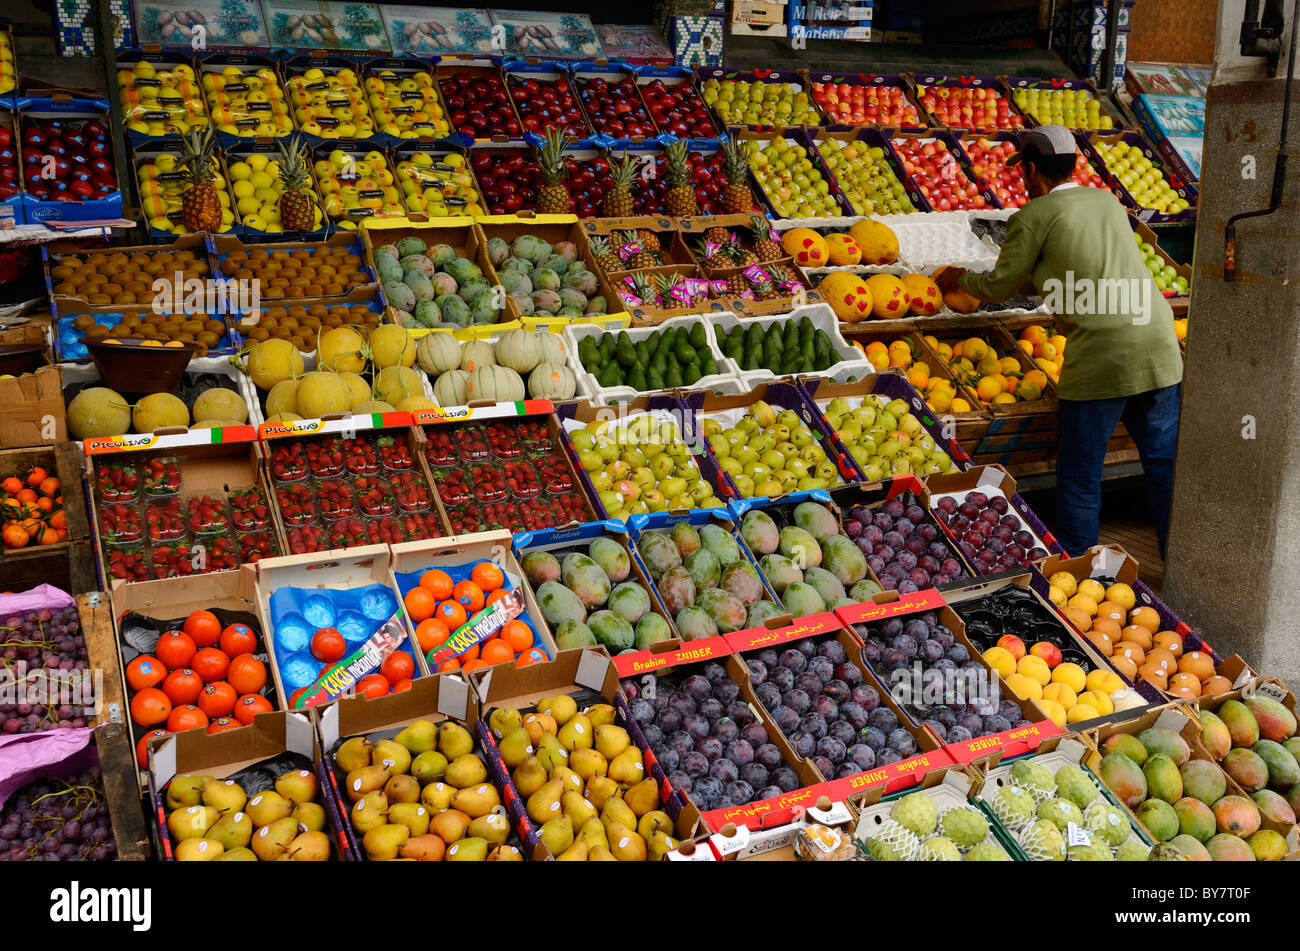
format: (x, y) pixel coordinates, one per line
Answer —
(963, 162)
(673, 76)
(799, 136)
(894, 80)
(723, 73)
(872, 138)
(960, 82)
(1033, 82)
(1002, 136)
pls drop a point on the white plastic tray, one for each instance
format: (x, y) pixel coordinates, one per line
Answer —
(821, 316)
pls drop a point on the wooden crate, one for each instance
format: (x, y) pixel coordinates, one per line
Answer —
(68, 564)
(122, 791)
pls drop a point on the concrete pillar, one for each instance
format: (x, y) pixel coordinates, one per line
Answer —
(1233, 565)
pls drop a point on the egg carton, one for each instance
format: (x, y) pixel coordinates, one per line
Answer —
(926, 239)
(610, 396)
(822, 318)
(948, 795)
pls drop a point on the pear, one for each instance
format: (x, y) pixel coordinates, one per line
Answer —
(370, 810)
(625, 844)
(627, 767)
(297, 786)
(659, 845)
(588, 763)
(493, 827)
(562, 708)
(382, 842)
(504, 721)
(224, 795)
(654, 821)
(599, 789)
(477, 800)
(425, 848)
(545, 803)
(616, 812)
(551, 753)
(538, 724)
(557, 834)
(236, 855)
(191, 822)
(577, 852)
(567, 776)
(269, 806)
(185, 791)
(599, 853)
(393, 757)
(361, 781)
(272, 841)
(577, 807)
(353, 754)
(310, 847)
(466, 770)
(515, 747)
(454, 740)
(402, 788)
(310, 816)
(600, 714)
(449, 825)
(611, 740)
(577, 733)
(529, 777)
(412, 815)
(505, 853)
(198, 850)
(468, 850)
(232, 830)
(593, 831)
(642, 797)
(437, 796)
(419, 737)
(429, 766)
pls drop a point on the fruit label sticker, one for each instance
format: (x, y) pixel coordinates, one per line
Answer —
(341, 677)
(478, 628)
(1076, 836)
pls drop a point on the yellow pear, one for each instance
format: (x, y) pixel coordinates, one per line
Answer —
(567, 776)
(412, 815)
(369, 811)
(577, 733)
(588, 763)
(626, 845)
(515, 747)
(437, 796)
(419, 737)
(232, 830)
(353, 754)
(557, 834)
(627, 767)
(204, 850)
(505, 853)
(493, 827)
(529, 777)
(310, 816)
(538, 723)
(577, 808)
(545, 803)
(550, 753)
(191, 822)
(382, 842)
(611, 740)
(224, 795)
(392, 756)
(577, 852)
(465, 770)
(593, 830)
(454, 740)
(356, 784)
(504, 720)
(642, 797)
(654, 821)
(599, 853)
(311, 846)
(562, 708)
(468, 849)
(429, 766)
(476, 800)
(185, 791)
(449, 825)
(600, 714)
(402, 788)
(617, 812)
(659, 845)
(599, 789)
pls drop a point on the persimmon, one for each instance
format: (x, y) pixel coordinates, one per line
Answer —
(238, 639)
(145, 671)
(249, 705)
(218, 699)
(470, 595)
(221, 724)
(210, 664)
(247, 674)
(182, 686)
(187, 717)
(487, 576)
(371, 686)
(430, 633)
(150, 706)
(438, 582)
(142, 748)
(397, 666)
(175, 649)
(496, 651)
(204, 627)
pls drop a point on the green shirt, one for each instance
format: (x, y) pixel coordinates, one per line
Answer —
(1076, 247)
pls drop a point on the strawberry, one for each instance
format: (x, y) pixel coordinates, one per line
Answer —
(207, 515)
(454, 487)
(162, 475)
(249, 511)
(374, 496)
(165, 520)
(119, 523)
(254, 546)
(307, 538)
(411, 492)
(334, 499)
(288, 461)
(297, 506)
(360, 457)
(129, 563)
(117, 481)
(394, 452)
(440, 450)
(325, 457)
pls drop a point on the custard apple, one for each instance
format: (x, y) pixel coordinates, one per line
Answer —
(917, 813)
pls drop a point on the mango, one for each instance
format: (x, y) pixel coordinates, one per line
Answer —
(572, 633)
(630, 601)
(1276, 722)
(1125, 778)
(1267, 845)
(742, 580)
(586, 579)
(726, 610)
(612, 558)
(1159, 740)
(1273, 806)
(1195, 818)
(677, 589)
(1204, 780)
(1238, 815)
(1240, 722)
(842, 558)
(1247, 768)
(1283, 770)
(800, 547)
(658, 553)
(759, 532)
(1159, 818)
(1190, 847)
(1214, 735)
(1127, 744)
(704, 568)
(801, 599)
(650, 630)
(559, 604)
(816, 520)
(686, 538)
(780, 571)
(1226, 847)
(1163, 779)
(719, 541)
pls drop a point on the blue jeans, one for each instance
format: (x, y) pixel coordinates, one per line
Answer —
(1151, 418)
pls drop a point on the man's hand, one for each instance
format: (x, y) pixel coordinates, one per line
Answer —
(947, 278)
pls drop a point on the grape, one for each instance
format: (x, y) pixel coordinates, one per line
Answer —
(49, 639)
(59, 820)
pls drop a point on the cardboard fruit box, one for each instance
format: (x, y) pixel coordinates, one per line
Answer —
(253, 756)
(992, 481)
(435, 700)
(590, 678)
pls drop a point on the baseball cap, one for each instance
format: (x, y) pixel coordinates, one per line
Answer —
(1045, 140)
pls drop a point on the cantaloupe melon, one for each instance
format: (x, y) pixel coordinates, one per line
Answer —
(878, 242)
(848, 296)
(273, 360)
(322, 393)
(98, 411)
(807, 247)
(889, 298)
(925, 294)
(341, 350)
(159, 411)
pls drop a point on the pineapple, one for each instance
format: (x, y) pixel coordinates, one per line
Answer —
(742, 257)
(297, 204)
(717, 235)
(617, 202)
(640, 259)
(553, 196)
(664, 284)
(679, 199)
(764, 246)
(644, 288)
(717, 259)
(736, 197)
(200, 202)
(764, 288)
(649, 240)
(605, 257)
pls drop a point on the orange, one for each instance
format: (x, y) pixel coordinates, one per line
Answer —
(371, 686)
(534, 655)
(249, 705)
(188, 717)
(182, 686)
(518, 635)
(210, 664)
(1171, 642)
(487, 576)
(1146, 617)
(452, 614)
(494, 597)
(470, 595)
(497, 651)
(175, 649)
(473, 665)
(397, 666)
(145, 671)
(142, 748)
(471, 654)
(437, 581)
(221, 724)
(448, 665)
(430, 633)
(402, 685)
(203, 628)
(247, 674)
(238, 639)
(420, 603)
(150, 706)
(327, 645)
(36, 475)
(218, 699)
(1199, 665)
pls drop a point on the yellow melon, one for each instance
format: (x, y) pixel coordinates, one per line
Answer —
(848, 296)
(843, 250)
(889, 297)
(807, 247)
(879, 244)
(926, 298)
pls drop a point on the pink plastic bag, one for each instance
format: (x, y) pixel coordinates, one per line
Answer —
(42, 596)
(27, 757)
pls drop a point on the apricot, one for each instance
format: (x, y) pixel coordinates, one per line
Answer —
(1147, 617)
(1215, 685)
(1185, 685)
(1131, 651)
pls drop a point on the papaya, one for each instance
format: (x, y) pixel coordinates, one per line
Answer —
(1247, 767)
(1163, 779)
(1125, 778)
(1226, 847)
(1237, 815)
(1159, 740)
(1214, 735)
(1276, 722)
(1240, 722)
(1205, 781)
(1283, 770)
(1127, 744)
(1195, 818)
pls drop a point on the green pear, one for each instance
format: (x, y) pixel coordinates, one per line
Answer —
(297, 786)
(410, 814)
(515, 747)
(567, 776)
(449, 825)
(600, 714)
(616, 812)
(232, 830)
(599, 789)
(353, 754)
(423, 848)
(381, 843)
(418, 737)
(191, 822)
(198, 850)
(545, 803)
(626, 845)
(557, 834)
(454, 740)
(468, 850)
(593, 831)
(185, 791)
(577, 852)
(504, 720)
(600, 853)
(654, 821)
(562, 708)
(588, 763)
(310, 847)
(611, 740)
(429, 766)
(360, 781)
(659, 844)
(505, 853)
(476, 801)
(369, 811)
(466, 770)
(642, 797)
(437, 796)
(577, 733)
(529, 777)
(577, 807)
(393, 757)
(310, 816)
(627, 767)
(272, 841)
(402, 788)
(236, 855)
(551, 753)
(493, 827)
(224, 795)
